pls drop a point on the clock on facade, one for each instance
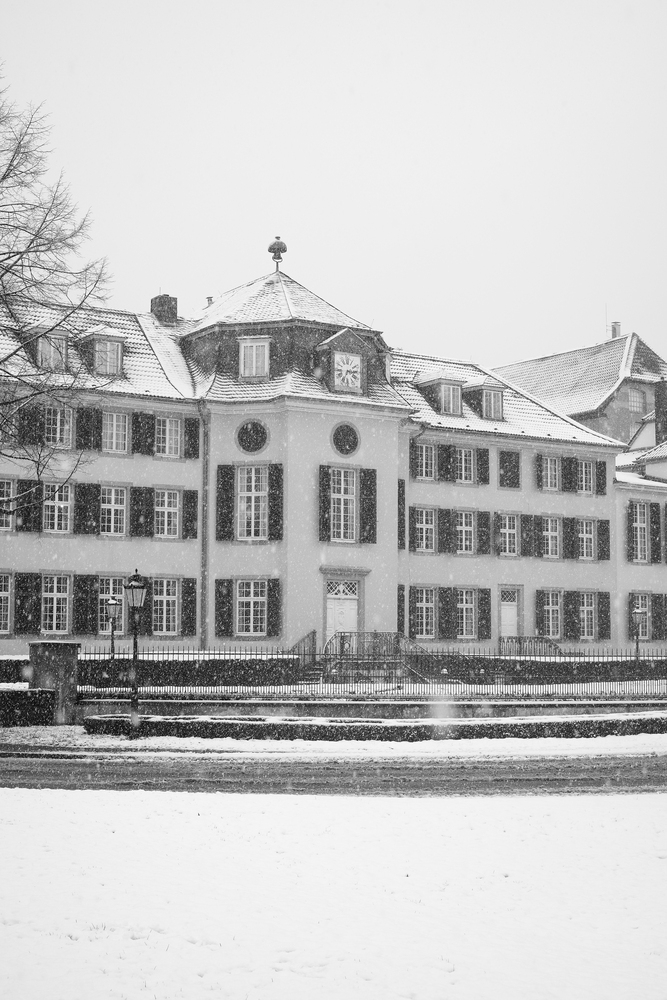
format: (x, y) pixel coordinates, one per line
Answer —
(347, 371)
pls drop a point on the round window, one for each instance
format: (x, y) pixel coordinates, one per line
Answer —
(345, 439)
(252, 436)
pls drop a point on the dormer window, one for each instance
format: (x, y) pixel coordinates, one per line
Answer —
(450, 399)
(492, 404)
(253, 358)
(52, 352)
(347, 371)
(107, 357)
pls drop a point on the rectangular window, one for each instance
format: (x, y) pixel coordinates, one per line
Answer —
(5, 583)
(642, 605)
(552, 613)
(55, 604)
(587, 615)
(465, 611)
(57, 507)
(111, 587)
(451, 399)
(168, 436)
(551, 537)
(465, 465)
(637, 401)
(425, 461)
(550, 473)
(586, 538)
(254, 359)
(425, 611)
(165, 607)
(343, 505)
(253, 501)
(53, 353)
(114, 431)
(425, 530)
(112, 511)
(58, 426)
(167, 511)
(640, 531)
(492, 404)
(5, 504)
(465, 531)
(584, 477)
(509, 532)
(107, 357)
(251, 607)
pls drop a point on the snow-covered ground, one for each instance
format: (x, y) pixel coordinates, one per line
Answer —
(170, 895)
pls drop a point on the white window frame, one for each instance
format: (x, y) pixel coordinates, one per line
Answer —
(637, 401)
(168, 436)
(252, 493)
(465, 532)
(552, 532)
(492, 404)
(587, 615)
(56, 593)
(254, 358)
(553, 613)
(167, 523)
(425, 613)
(585, 476)
(586, 533)
(107, 357)
(113, 510)
(6, 512)
(550, 473)
(465, 465)
(450, 399)
(425, 461)
(57, 508)
(425, 529)
(110, 586)
(165, 605)
(5, 603)
(251, 613)
(466, 613)
(343, 505)
(509, 534)
(58, 426)
(52, 353)
(114, 431)
(642, 603)
(640, 531)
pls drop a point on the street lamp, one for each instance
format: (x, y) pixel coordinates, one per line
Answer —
(135, 590)
(637, 616)
(113, 607)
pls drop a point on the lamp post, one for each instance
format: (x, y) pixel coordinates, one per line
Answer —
(637, 615)
(113, 607)
(135, 590)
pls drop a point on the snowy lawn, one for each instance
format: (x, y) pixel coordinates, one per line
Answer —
(166, 895)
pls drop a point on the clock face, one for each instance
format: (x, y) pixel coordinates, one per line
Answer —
(347, 371)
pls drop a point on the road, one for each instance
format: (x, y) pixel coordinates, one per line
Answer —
(245, 772)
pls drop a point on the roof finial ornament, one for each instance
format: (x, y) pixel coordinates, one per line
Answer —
(277, 248)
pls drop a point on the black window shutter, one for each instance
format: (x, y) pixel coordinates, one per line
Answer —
(412, 612)
(538, 538)
(273, 607)
(275, 502)
(87, 509)
(631, 621)
(569, 474)
(189, 606)
(447, 613)
(446, 530)
(482, 462)
(496, 534)
(86, 605)
(657, 617)
(604, 541)
(401, 514)
(571, 615)
(527, 535)
(412, 529)
(224, 607)
(29, 498)
(325, 504)
(601, 478)
(30, 425)
(190, 514)
(224, 504)
(484, 613)
(400, 609)
(191, 438)
(539, 612)
(146, 614)
(27, 603)
(142, 511)
(629, 532)
(414, 459)
(510, 469)
(539, 472)
(654, 522)
(368, 506)
(143, 434)
(604, 616)
(85, 428)
(446, 456)
(483, 532)
(570, 538)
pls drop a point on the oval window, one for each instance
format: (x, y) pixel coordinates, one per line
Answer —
(252, 436)
(345, 439)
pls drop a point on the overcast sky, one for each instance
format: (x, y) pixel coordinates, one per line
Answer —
(483, 179)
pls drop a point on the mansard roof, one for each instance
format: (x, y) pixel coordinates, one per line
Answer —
(582, 381)
(273, 298)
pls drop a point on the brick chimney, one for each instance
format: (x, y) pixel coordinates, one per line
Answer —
(661, 412)
(165, 308)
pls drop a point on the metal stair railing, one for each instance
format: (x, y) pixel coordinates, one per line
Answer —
(350, 649)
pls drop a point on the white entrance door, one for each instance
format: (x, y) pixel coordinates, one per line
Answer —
(509, 611)
(342, 606)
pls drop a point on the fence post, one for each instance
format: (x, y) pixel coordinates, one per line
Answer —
(54, 666)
